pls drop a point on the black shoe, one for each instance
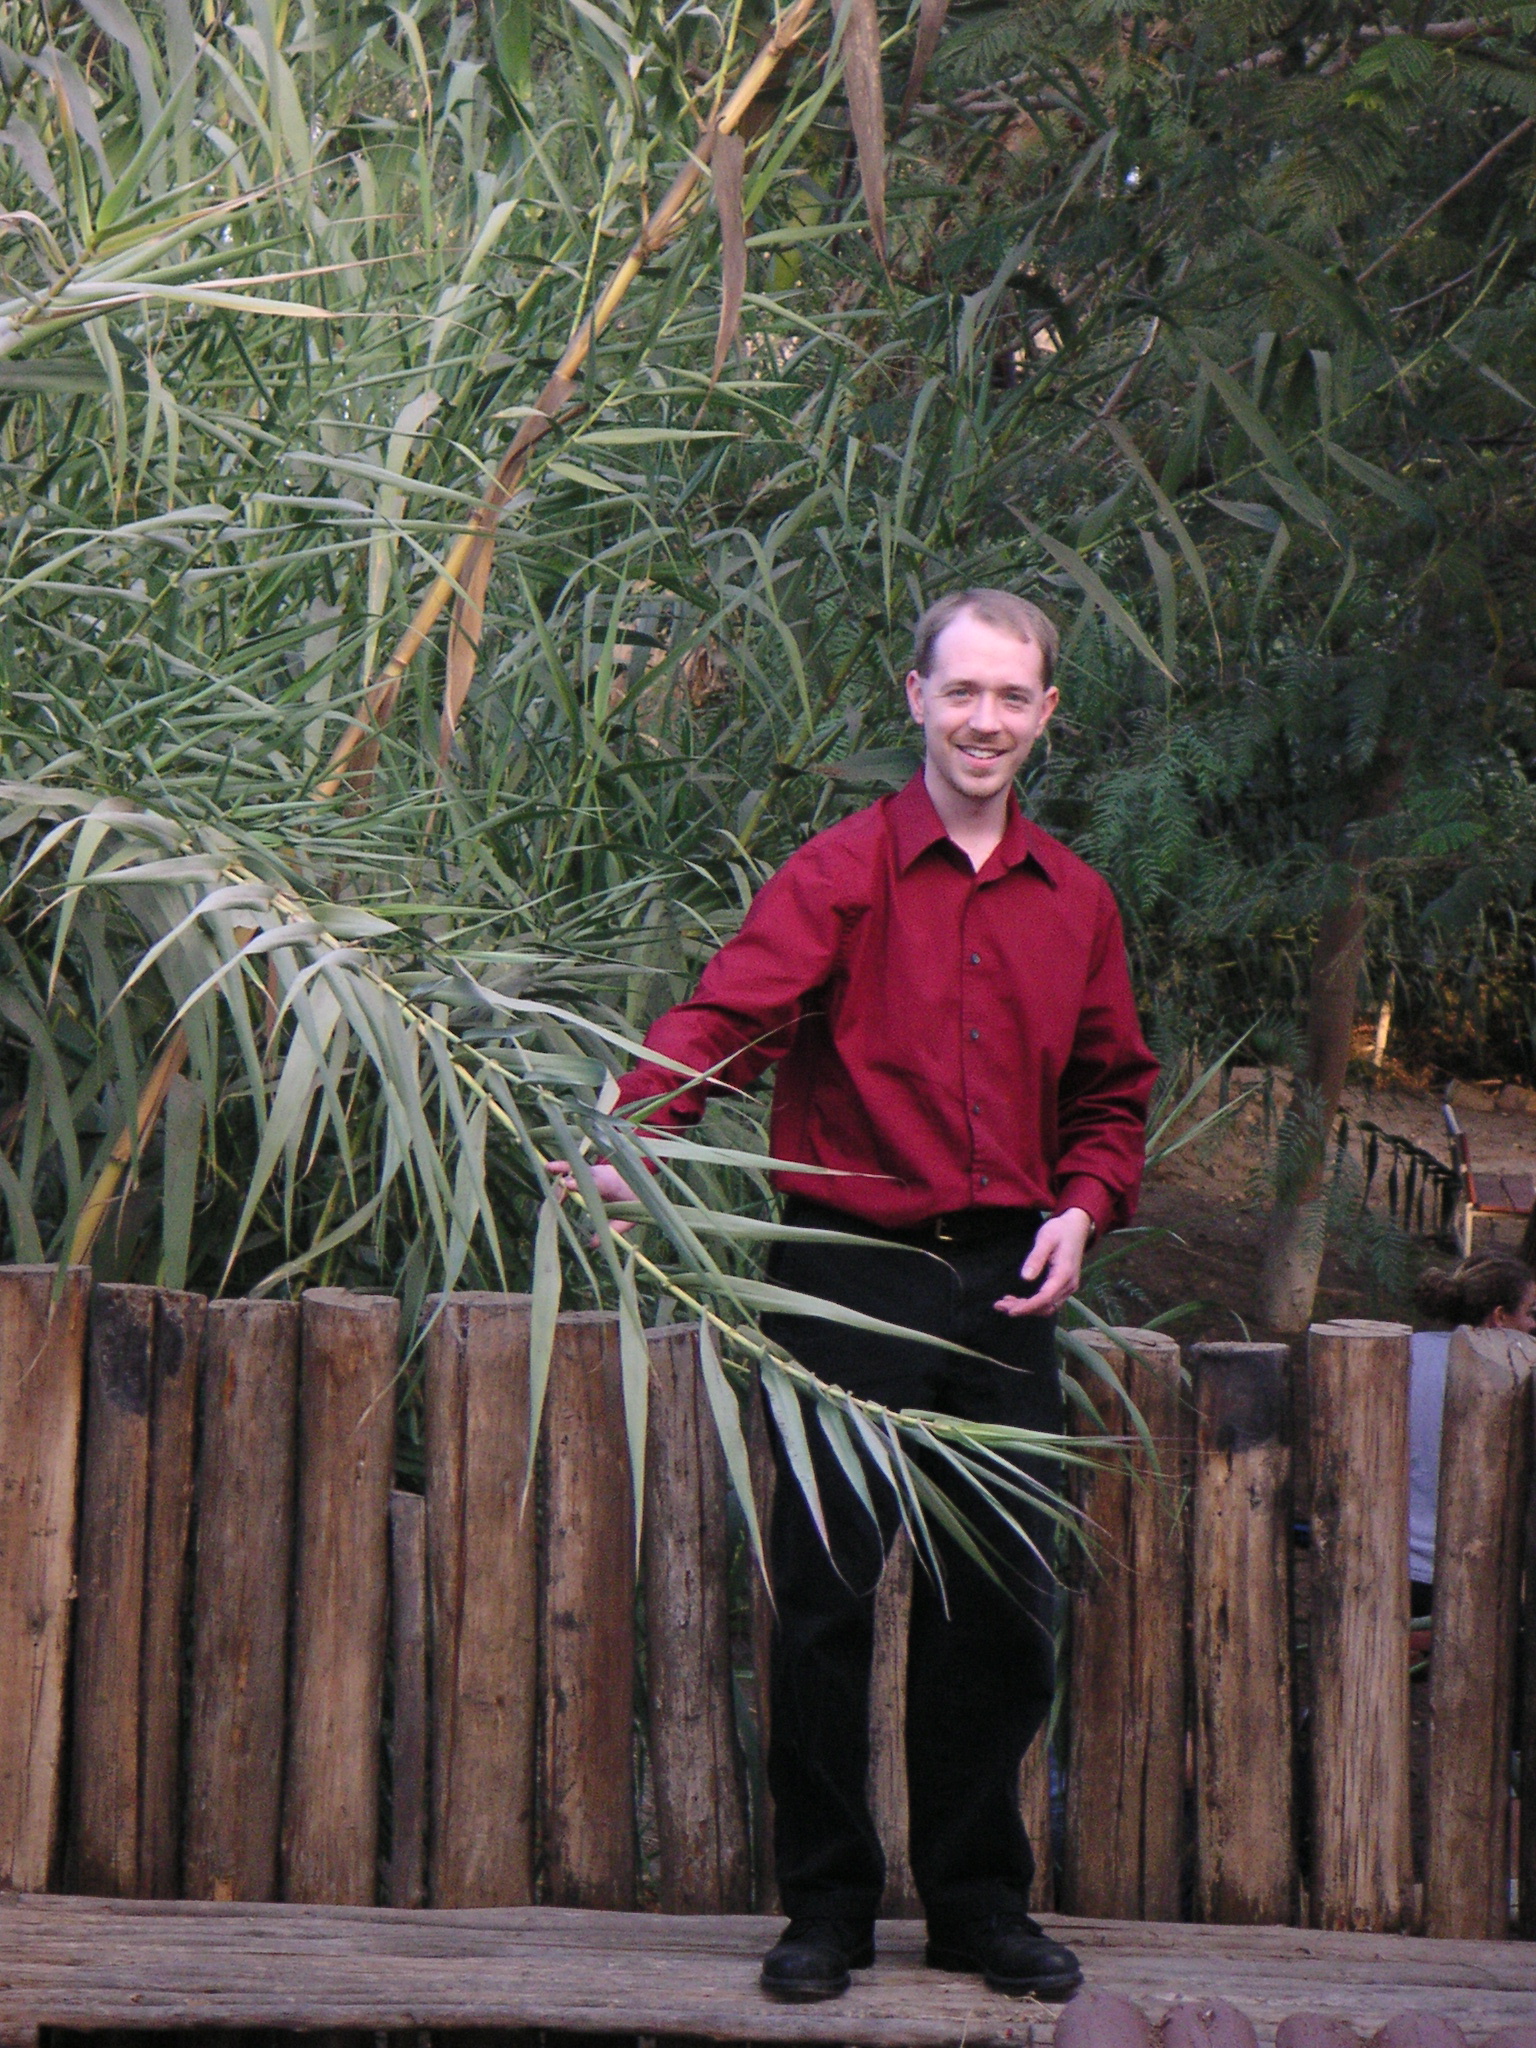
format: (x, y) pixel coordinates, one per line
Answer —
(1012, 1952)
(812, 1958)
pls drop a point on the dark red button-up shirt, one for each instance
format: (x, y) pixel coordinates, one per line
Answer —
(946, 1039)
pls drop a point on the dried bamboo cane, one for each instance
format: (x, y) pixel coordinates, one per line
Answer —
(465, 572)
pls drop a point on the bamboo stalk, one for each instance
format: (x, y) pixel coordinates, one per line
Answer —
(133, 1138)
(466, 567)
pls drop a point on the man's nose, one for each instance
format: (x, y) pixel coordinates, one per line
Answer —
(984, 714)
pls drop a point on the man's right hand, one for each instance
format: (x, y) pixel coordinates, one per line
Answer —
(611, 1184)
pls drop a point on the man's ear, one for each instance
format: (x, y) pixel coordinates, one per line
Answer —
(1050, 700)
(915, 694)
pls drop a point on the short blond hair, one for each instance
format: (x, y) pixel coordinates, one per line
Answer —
(999, 608)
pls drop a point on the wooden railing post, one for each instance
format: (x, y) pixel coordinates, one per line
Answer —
(1479, 1545)
(1035, 1812)
(1361, 1869)
(482, 1572)
(405, 1881)
(587, 1612)
(348, 1358)
(42, 1373)
(1525, 1712)
(1241, 1534)
(1125, 1777)
(764, 1882)
(887, 1783)
(701, 1816)
(136, 1499)
(240, 1591)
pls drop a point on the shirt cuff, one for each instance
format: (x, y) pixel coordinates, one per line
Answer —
(1082, 1191)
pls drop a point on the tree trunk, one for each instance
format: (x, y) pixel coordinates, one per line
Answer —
(1297, 1229)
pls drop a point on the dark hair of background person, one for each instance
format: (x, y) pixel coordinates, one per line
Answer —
(1470, 1292)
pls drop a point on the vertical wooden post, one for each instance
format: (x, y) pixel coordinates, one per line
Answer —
(1244, 1834)
(240, 1586)
(1035, 1812)
(135, 1509)
(1526, 1708)
(405, 1881)
(42, 1360)
(1125, 1778)
(887, 1783)
(701, 1815)
(764, 1880)
(1479, 1545)
(588, 1622)
(1361, 1868)
(348, 1356)
(482, 1567)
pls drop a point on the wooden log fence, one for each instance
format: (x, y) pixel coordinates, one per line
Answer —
(440, 1698)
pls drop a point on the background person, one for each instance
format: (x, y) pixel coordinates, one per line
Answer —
(945, 989)
(1492, 1290)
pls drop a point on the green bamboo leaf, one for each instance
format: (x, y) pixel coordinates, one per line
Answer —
(182, 1145)
(1402, 497)
(785, 1405)
(26, 1238)
(723, 1406)
(835, 1429)
(635, 1382)
(543, 1313)
(1093, 586)
(1167, 597)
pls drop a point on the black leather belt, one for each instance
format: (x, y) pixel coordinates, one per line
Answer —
(954, 1227)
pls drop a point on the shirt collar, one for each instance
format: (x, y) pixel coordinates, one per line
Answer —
(916, 825)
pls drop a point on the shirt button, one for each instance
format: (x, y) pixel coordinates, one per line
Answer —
(975, 1109)
(975, 1034)
(983, 1180)
(975, 959)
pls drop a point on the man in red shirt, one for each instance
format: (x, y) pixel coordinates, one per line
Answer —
(944, 987)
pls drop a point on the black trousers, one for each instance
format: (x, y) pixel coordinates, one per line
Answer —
(980, 1658)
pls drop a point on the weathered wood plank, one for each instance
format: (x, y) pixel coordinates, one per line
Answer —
(1479, 1546)
(347, 1364)
(587, 1616)
(1125, 1774)
(1241, 1538)
(148, 1964)
(405, 1881)
(482, 1565)
(240, 1588)
(134, 1516)
(887, 1783)
(42, 1360)
(701, 1813)
(1362, 1869)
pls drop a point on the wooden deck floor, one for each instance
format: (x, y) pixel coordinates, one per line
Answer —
(84, 1963)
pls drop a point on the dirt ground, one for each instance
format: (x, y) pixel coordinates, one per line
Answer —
(1206, 1205)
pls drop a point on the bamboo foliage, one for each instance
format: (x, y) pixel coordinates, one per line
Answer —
(706, 557)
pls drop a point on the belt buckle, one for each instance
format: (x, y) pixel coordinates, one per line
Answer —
(943, 1229)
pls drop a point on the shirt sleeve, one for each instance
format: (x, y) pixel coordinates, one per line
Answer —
(743, 1014)
(1102, 1104)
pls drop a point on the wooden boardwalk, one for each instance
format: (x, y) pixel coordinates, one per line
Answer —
(91, 1963)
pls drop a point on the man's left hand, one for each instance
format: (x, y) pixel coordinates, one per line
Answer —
(1056, 1261)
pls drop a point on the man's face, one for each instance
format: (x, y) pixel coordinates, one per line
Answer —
(982, 706)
